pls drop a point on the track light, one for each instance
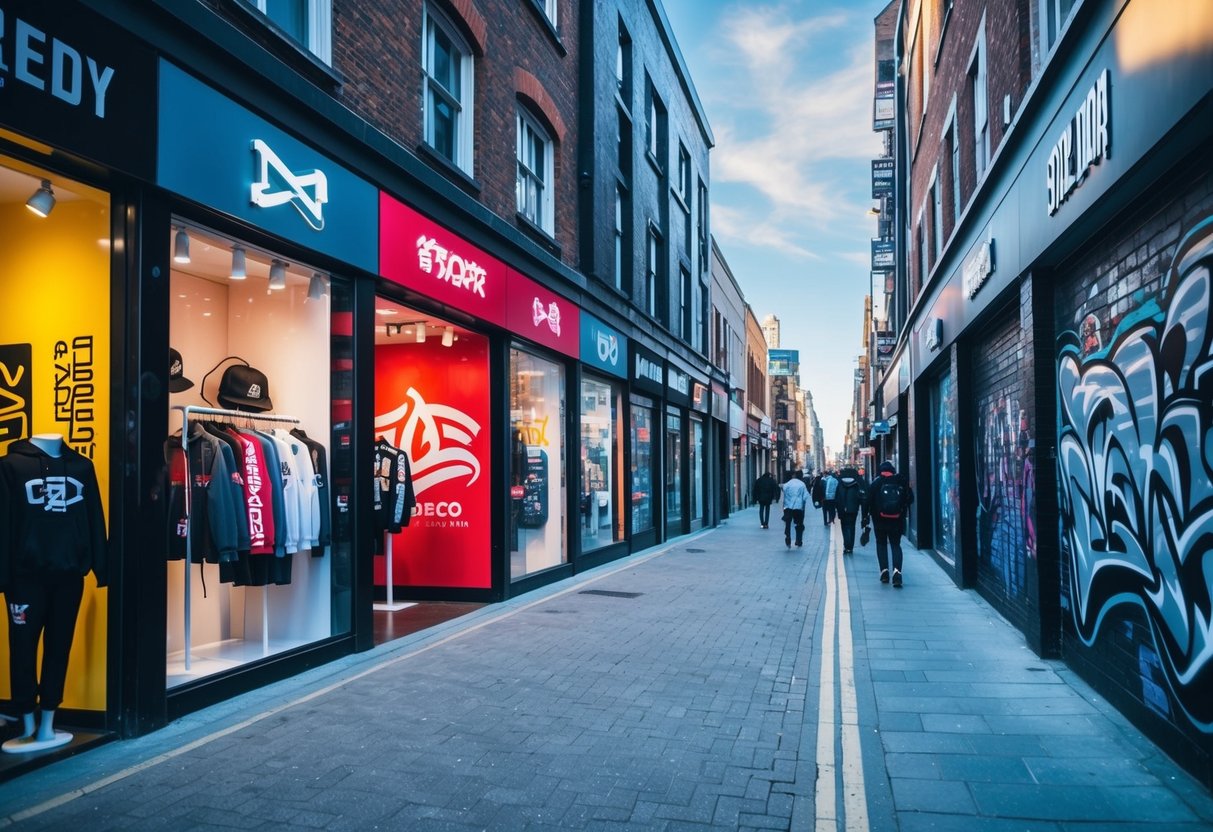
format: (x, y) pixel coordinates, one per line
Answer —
(277, 274)
(181, 247)
(239, 270)
(448, 336)
(421, 332)
(43, 199)
(316, 287)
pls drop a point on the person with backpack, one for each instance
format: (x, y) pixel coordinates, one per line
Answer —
(888, 501)
(829, 496)
(765, 491)
(851, 499)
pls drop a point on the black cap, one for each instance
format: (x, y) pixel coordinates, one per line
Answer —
(177, 382)
(887, 467)
(244, 388)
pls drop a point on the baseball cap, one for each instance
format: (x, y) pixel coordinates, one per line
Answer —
(177, 382)
(244, 388)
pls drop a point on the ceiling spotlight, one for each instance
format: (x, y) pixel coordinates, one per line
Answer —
(448, 336)
(43, 199)
(316, 287)
(421, 332)
(181, 247)
(239, 271)
(277, 274)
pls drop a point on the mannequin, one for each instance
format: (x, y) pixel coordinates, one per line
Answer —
(50, 538)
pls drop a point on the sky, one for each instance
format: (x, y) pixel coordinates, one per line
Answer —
(787, 88)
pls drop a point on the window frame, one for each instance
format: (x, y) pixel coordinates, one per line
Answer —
(652, 275)
(319, 27)
(935, 196)
(623, 260)
(655, 124)
(464, 145)
(546, 219)
(623, 66)
(979, 83)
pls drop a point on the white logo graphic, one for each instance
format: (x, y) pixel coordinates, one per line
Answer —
(435, 436)
(176, 369)
(54, 493)
(16, 612)
(310, 206)
(254, 391)
(460, 273)
(608, 348)
(551, 315)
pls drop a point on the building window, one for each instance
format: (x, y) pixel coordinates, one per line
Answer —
(981, 118)
(682, 324)
(550, 9)
(923, 268)
(954, 150)
(1054, 14)
(623, 66)
(447, 65)
(936, 196)
(655, 127)
(684, 175)
(623, 143)
(703, 227)
(307, 22)
(622, 257)
(652, 272)
(699, 307)
(534, 173)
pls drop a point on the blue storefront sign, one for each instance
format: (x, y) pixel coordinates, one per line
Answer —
(216, 152)
(603, 347)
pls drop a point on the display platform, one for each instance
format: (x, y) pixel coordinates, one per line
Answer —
(218, 656)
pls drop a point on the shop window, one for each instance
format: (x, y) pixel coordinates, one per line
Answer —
(673, 470)
(262, 565)
(448, 92)
(642, 468)
(55, 384)
(696, 467)
(432, 407)
(537, 464)
(601, 464)
(534, 180)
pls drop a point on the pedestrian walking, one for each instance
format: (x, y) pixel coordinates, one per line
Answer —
(795, 497)
(851, 499)
(829, 497)
(765, 490)
(889, 499)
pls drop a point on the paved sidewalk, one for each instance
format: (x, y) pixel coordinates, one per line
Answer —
(676, 690)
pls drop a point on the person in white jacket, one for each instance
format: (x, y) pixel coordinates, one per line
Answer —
(795, 498)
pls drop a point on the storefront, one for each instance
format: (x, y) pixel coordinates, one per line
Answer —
(676, 461)
(260, 295)
(646, 435)
(602, 493)
(72, 142)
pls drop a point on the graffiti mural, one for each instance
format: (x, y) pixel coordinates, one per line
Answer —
(1135, 467)
(1006, 494)
(947, 465)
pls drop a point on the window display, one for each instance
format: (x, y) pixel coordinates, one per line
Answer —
(642, 467)
(258, 564)
(537, 465)
(601, 462)
(55, 446)
(696, 460)
(432, 454)
(673, 470)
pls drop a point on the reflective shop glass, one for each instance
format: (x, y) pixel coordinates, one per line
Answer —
(642, 468)
(673, 468)
(55, 379)
(261, 565)
(537, 464)
(601, 464)
(696, 459)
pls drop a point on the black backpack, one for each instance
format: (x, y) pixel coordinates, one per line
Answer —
(890, 499)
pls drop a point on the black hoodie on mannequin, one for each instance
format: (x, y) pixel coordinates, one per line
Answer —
(51, 520)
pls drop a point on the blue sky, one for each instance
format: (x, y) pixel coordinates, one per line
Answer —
(787, 87)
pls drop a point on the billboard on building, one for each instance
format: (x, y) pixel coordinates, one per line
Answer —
(783, 362)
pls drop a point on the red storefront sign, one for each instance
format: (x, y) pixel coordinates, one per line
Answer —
(542, 316)
(431, 402)
(419, 253)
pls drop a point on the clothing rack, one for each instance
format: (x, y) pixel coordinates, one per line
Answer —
(238, 417)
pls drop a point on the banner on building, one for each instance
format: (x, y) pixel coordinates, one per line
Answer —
(882, 178)
(882, 253)
(885, 343)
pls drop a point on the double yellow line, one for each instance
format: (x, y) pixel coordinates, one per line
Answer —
(838, 715)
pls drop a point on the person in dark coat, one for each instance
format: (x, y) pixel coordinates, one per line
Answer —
(851, 499)
(889, 499)
(765, 491)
